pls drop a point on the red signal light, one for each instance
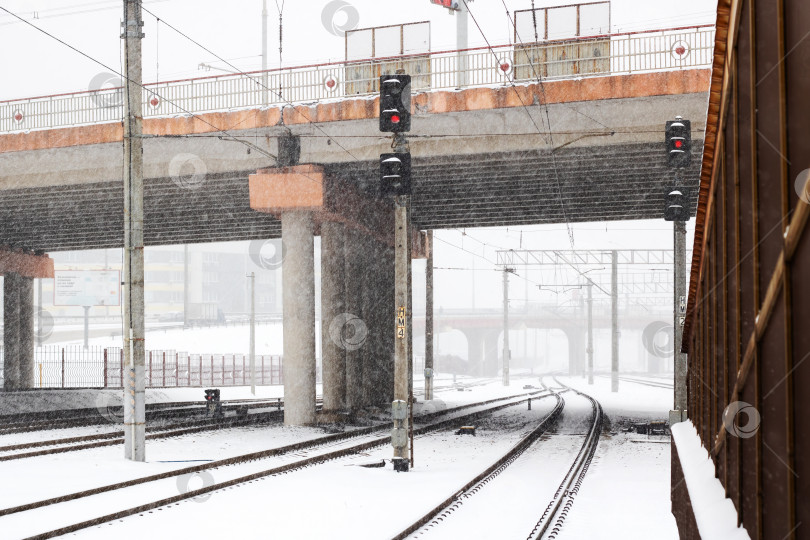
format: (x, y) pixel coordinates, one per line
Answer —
(395, 118)
(678, 144)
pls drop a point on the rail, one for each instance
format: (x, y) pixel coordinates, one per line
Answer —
(609, 54)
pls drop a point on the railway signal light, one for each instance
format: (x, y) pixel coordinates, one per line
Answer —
(676, 208)
(395, 103)
(449, 4)
(678, 139)
(213, 406)
(395, 174)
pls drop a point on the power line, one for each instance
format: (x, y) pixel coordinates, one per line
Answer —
(490, 261)
(548, 121)
(240, 72)
(124, 77)
(50, 13)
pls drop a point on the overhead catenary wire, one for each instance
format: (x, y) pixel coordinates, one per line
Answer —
(495, 265)
(500, 248)
(125, 78)
(76, 9)
(280, 9)
(528, 113)
(254, 80)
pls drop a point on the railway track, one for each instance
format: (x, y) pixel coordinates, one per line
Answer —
(242, 469)
(85, 442)
(551, 522)
(97, 440)
(552, 519)
(71, 418)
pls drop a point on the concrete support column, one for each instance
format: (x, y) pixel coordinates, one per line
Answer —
(388, 311)
(614, 318)
(368, 315)
(576, 351)
(355, 275)
(25, 286)
(475, 352)
(18, 332)
(298, 284)
(11, 332)
(491, 353)
(379, 361)
(333, 297)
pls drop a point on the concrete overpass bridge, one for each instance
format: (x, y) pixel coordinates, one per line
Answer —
(482, 154)
(555, 132)
(483, 328)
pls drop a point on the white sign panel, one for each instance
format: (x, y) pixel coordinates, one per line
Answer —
(87, 288)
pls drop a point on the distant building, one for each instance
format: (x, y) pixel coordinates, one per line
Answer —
(213, 277)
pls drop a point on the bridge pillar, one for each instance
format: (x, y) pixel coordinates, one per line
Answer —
(378, 377)
(18, 335)
(27, 344)
(576, 352)
(298, 284)
(475, 351)
(491, 353)
(333, 298)
(11, 334)
(305, 190)
(368, 315)
(355, 331)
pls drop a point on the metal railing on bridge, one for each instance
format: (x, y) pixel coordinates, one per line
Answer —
(102, 367)
(609, 54)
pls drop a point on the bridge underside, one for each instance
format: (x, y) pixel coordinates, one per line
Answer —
(575, 184)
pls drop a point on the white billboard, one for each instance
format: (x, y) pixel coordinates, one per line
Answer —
(562, 22)
(87, 288)
(387, 41)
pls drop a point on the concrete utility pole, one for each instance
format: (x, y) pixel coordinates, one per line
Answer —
(429, 319)
(185, 285)
(462, 14)
(265, 87)
(680, 314)
(39, 312)
(252, 277)
(86, 327)
(589, 349)
(134, 409)
(403, 372)
(614, 317)
(506, 271)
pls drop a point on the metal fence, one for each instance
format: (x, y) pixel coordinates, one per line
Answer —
(102, 367)
(612, 54)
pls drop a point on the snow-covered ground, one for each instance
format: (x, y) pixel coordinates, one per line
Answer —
(624, 495)
(340, 499)
(48, 400)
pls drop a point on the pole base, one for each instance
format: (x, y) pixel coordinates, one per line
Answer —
(401, 464)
